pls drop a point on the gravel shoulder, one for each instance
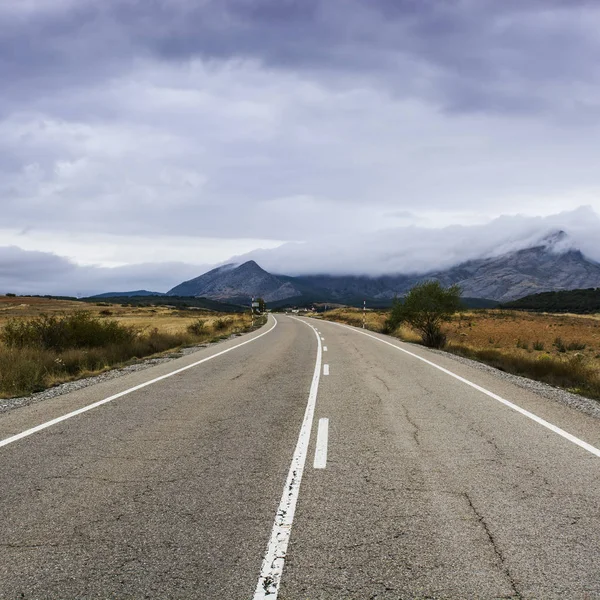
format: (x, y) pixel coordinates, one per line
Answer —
(589, 406)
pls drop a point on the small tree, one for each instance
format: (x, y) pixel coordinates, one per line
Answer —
(426, 306)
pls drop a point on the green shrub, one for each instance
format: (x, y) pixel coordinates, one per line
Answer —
(425, 307)
(537, 345)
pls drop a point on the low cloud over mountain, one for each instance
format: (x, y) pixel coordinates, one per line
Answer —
(419, 249)
(397, 250)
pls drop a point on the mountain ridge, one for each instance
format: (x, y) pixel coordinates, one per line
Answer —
(552, 264)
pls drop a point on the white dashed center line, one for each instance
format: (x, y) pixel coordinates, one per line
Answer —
(321, 448)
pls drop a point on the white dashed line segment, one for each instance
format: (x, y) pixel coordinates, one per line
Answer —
(321, 447)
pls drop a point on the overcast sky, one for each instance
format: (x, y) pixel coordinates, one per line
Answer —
(142, 141)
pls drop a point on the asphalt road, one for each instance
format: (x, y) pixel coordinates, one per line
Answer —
(179, 489)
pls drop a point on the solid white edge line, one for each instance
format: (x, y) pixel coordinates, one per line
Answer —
(273, 562)
(325, 369)
(320, 461)
(575, 440)
(79, 411)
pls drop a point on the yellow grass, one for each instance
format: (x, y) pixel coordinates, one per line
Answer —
(563, 350)
(166, 320)
(518, 331)
(159, 329)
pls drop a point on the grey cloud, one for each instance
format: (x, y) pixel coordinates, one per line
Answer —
(293, 120)
(462, 55)
(419, 250)
(19, 266)
(30, 272)
(396, 250)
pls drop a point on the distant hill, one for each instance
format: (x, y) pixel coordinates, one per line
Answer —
(551, 265)
(572, 301)
(371, 303)
(127, 294)
(236, 283)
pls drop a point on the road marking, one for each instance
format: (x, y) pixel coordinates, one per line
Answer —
(526, 413)
(325, 369)
(321, 448)
(79, 411)
(324, 348)
(322, 339)
(273, 562)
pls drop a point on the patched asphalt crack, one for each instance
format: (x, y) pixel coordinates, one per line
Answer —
(496, 548)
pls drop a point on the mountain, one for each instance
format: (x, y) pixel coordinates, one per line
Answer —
(546, 267)
(238, 284)
(127, 294)
(552, 264)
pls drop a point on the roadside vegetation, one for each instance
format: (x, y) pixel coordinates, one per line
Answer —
(584, 301)
(562, 350)
(426, 307)
(42, 349)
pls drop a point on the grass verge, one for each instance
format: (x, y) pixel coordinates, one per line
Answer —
(38, 353)
(575, 372)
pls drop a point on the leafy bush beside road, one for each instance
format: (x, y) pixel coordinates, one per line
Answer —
(426, 306)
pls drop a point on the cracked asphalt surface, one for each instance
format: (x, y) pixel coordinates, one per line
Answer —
(432, 489)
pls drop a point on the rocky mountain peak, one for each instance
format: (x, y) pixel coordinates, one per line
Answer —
(558, 242)
(250, 266)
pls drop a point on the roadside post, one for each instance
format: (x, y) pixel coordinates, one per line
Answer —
(255, 305)
(364, 312)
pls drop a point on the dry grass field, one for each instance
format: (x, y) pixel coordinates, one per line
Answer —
(166, 320)
(562, 350)
(527, 333)
(44, 341)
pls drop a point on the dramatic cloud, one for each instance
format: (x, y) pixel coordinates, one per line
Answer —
(419, 250)
(398, 250)
(186, 131)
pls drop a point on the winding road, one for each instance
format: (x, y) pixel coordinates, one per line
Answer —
(306, 460)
